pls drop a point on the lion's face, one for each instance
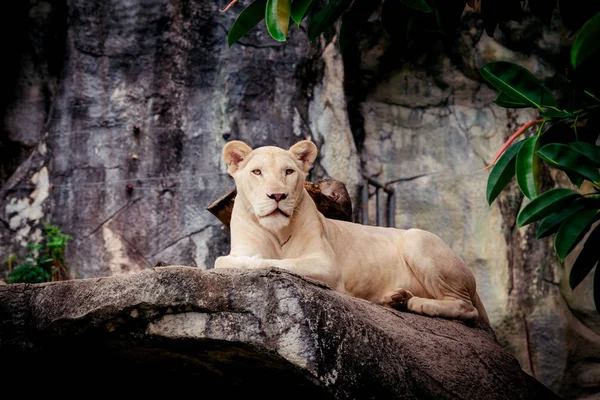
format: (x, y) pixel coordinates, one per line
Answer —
(270, 178)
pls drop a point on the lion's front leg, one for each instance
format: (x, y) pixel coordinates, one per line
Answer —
(313, 268)
(245, 262)
(249, 262)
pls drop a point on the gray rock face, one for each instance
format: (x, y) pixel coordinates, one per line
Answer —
(263, 332)
(82, 73)
(164, 67)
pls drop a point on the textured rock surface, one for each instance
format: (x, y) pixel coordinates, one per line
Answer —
(81, 73)
(164, 66)
(263, 332)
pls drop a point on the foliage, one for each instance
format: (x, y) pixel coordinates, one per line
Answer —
(45, 262)
(401, 19)
(566, 140)
(404, 18)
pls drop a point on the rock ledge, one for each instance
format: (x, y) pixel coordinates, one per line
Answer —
(266, 332)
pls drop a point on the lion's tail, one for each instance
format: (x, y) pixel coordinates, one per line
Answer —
(477, 303)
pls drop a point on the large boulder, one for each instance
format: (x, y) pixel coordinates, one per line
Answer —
(234, 332)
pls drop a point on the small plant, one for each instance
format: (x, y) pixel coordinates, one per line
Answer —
(10, 260)
(565, 140)
(45, 262)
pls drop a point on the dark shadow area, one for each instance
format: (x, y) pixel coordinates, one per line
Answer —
(14, 26)
(102, 366)
(34, 51)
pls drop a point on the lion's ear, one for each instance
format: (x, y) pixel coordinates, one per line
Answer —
(234, 153)
(306, 152)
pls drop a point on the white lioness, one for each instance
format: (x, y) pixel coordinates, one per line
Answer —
(275, 223)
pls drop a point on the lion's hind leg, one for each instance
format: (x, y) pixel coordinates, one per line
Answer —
(453, 308)
(448, 285)
(447, 308)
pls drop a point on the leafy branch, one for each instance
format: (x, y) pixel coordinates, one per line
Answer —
(565, 212)
(401, 19)
(415, 16)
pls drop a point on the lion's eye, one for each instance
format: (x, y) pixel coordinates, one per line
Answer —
(289, 171)
(256, 172)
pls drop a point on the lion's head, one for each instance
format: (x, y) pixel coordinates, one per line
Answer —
(270, 179)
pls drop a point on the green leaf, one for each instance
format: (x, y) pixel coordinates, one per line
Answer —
(556, 114)
(589, 150)
(518, 83)
(551, 223)
(248, 19)
(28, 273)
(502, 173)
(572, 231)
(564, 157)
(586, 260)
(326, 17)
(278, 18)
(299, 8)
(575, 178)
(528, 168)
(419, 5)
(545, 204)
(586, 42)
(560, 131)
(504, 100)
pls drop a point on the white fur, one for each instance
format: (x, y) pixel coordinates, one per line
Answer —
(397, 268)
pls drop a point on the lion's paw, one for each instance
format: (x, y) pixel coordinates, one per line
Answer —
(399, 299)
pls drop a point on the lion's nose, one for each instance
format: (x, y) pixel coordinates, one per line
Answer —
(277, 196)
